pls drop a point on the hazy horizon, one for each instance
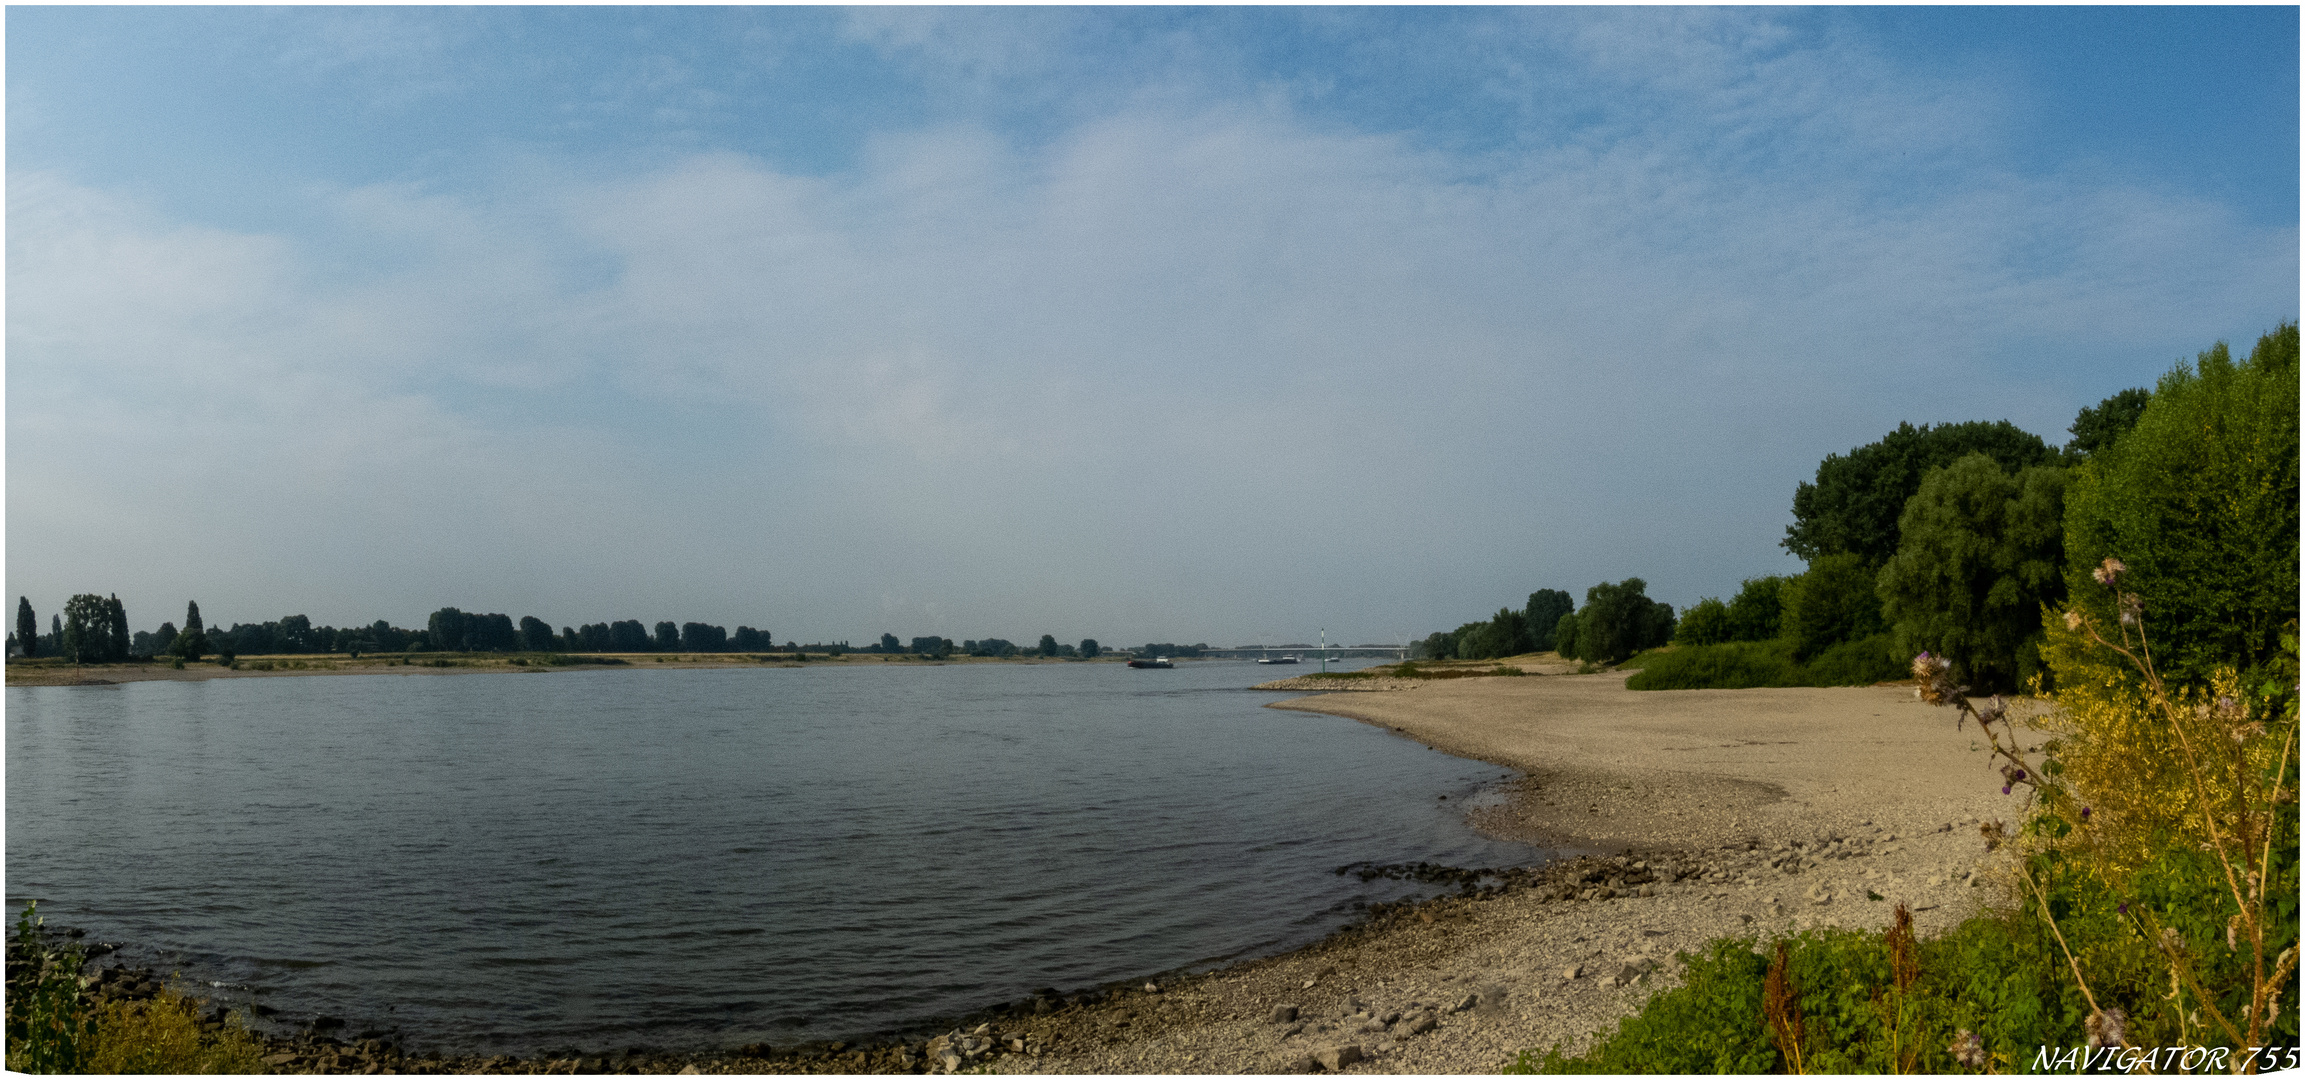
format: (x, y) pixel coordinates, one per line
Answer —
(1141, 324)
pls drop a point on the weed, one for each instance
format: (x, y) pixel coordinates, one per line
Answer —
(48, 1030)
(162, 1035)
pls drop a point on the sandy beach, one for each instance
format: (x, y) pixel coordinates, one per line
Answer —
(1699, 796)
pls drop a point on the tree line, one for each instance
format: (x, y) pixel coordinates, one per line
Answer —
(1618, 620)
(1957, 539)
(94, 629)
(939, 648)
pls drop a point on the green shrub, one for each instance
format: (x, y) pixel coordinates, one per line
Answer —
(1706, 1025)
(1736, 665)
(49, 1031)
(1744, 665)
(1705, 623)
(1856, 663)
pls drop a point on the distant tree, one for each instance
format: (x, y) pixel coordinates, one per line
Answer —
(117, 643)
(989, 647)
(2200, 501)
(667, 637)
(294, 634)
(603, 637)
(1546, 606)
(87, 629)
(446, 628)
(1982, 552)
(1619, 620)
(27, 626)
(748, 639)
(1048, 644)
(1437, 646)
(1834, 602)
(192, 642)
(1565, 637)
(889, 644)
(163, 637)
(1853, 506)
(933, 647)
(703, 637)
(628, 635)
(536, 635)
(1705, 623)
(1089, 649)
(2100, 425)
(1756, 613)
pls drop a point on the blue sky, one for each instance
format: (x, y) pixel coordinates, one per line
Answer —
(1139, 323)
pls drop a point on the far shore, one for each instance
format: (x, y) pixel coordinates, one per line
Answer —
(49, 671)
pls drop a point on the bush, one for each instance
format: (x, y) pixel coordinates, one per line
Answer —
(1705, 623)
(1745, 665)
(1739, 665)
(1565, 636)
(1856, 663)
(162, 1036)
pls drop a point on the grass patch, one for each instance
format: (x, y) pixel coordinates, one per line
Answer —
(1740, 665)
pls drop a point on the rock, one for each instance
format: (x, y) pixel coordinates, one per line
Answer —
(950, 1061)
(982, 1029)
(1422, 1025)
(1467, 1002)
(1152, 988)
(1282, 1014)
(1335, 1058)
(1572, 971)
(689, 1070)
(1648, 890)
(284, 1057)
(1608, 982)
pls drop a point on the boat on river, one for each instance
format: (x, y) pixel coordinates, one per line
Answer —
(1157, 661)
(1277, 660)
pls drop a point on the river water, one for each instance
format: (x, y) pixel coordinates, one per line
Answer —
(682, 859)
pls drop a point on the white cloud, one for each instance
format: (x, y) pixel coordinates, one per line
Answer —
(1180, 372)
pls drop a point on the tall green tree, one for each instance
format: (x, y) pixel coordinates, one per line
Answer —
(1853, 505)
(1620, 620)
(118, 618)
(27, 626)
(667, 636)
(536, 635)
(1982, 552)
(447, 628)
(2199, 501)
(191, 643)
(1546, 606)
(1565, 637)
(1834, 602)
(1089, 649)
(2102, 424)
(87, 629)
(1048, 645)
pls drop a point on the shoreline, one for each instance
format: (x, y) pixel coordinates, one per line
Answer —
(1697, 795)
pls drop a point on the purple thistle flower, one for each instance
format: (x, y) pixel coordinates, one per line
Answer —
(2004, 789)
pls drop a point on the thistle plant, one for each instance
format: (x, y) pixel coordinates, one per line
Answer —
(2158, 771)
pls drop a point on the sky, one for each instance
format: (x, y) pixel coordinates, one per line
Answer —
(1143, 324)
